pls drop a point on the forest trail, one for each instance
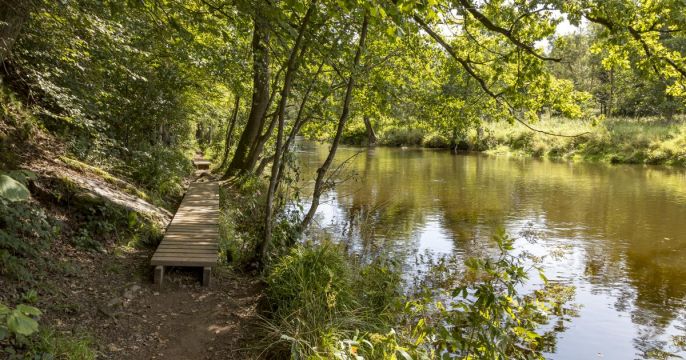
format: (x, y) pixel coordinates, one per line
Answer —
(109, 296)
(129, 318)
(185, 320)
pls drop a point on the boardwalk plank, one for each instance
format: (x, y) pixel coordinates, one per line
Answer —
(192, 238)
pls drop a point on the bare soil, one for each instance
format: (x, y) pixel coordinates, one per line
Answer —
(110, 297)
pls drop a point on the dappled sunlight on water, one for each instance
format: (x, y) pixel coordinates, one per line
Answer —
(621, 230)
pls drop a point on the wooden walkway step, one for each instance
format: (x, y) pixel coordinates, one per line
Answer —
(201, 164)
(192, 237)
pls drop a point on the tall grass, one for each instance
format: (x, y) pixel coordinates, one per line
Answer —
(319, 297)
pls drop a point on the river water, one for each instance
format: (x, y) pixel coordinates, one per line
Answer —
(621, 230)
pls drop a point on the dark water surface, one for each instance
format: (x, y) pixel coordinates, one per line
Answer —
(622, 230)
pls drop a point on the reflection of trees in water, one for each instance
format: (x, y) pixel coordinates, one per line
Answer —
(627, 221)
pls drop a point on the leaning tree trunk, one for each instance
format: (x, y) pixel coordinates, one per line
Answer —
(321, 172)
(281, 114)
(13, 16)
(371, 135)
(229, 131)
(260, 96)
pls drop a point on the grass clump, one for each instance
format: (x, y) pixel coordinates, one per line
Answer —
(319, 298)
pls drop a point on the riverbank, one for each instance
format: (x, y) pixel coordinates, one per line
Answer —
(616, 140)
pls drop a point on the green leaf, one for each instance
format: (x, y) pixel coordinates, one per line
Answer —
(28, 310)
(13, 190)
(404, 354)
(4, 310)
(21, 324)
(542, 276)
(3, 333)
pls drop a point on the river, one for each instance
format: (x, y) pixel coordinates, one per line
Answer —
(621, 230)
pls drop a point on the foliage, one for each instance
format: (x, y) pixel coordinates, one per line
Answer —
(615, 140)
(436, 140)
(318, 296)
(487, 317)
(239, 220)
(12, 190)
(401, 137)
(326, 304)
(21, 337)
(25, 229)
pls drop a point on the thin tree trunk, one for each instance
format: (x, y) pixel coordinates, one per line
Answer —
(371, 135)
(321, 172)
(612, 92)
(281, 114)
(229, 131)
(300, 120)
(260, 96)
(257, 147)
(13, 16)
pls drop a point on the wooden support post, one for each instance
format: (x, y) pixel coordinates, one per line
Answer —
(159, 275)
(206, 275)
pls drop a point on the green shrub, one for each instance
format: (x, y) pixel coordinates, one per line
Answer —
(355, 135)
(310, 281)
(436, 140)
(25, 232)
(160, 169)
(324, 304)
(318, 296)
(241, 219)
(401, 137)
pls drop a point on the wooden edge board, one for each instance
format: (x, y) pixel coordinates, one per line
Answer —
(188, 250)
(188, 246)
(189, 257)
(190, 263)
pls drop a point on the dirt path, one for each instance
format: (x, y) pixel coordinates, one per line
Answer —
(129, 318)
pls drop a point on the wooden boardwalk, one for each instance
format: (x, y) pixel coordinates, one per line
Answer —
(201, 164)
(192, 237)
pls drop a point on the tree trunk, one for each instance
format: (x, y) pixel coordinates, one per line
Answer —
(371, 135)
(345, 112)
(281, 114)
(612, 93)
(260, 96)
(229, 131)
(13, 16)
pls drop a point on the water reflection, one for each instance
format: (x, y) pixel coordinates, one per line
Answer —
(623, 227)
